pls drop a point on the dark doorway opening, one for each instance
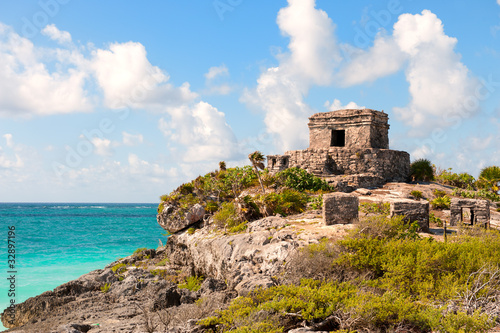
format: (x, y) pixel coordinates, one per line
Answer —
(468, 215)
(338, 138)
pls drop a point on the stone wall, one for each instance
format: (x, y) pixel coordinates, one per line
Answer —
(340, 208)
(390, 165)
(479, 211)
(362, 128)
(412, 211)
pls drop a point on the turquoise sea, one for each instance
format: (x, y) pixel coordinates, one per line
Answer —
(58, 242)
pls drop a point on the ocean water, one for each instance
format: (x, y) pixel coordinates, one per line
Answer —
(58, 242)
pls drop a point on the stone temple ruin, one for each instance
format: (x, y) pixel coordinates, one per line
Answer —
(349, 149)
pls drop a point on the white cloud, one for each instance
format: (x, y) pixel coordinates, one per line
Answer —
(8, 140)
(55, 34)
(127, 78)
(132, 139)
(337, 105)
(312, 58)
(382, 59)
(498, 2)
(202, 130)
(439, 81)
(102, 146)
(28, 87)
(217, 71)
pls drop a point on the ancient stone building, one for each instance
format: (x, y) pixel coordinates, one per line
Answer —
(470, 212)
(349, 148)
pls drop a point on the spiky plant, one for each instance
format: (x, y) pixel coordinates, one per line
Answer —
(257, 159)
(222, 166)
(421, 170)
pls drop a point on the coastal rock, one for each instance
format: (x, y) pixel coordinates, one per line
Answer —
(174, 219)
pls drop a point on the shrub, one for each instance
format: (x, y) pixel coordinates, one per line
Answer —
(105, 288)
(462, 180)
(438, 193)
(285, 203)
(163, 262)
(139, 250)
(186, 188)
(481, 194)
(300, 180)
(489, 178)
(436, 220)
(211, 206)
(192, 283)
(316, 202)
(119, 268)
(382, 208)
(227, 216)
(421, 170)
(191, 231)
(416, 194)
(441, 202)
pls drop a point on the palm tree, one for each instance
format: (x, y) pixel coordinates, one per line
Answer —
(222, 166)
(489, 178)
(257, 160)
(421, 170)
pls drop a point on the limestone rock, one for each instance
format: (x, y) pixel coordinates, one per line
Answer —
(340, 208)
(478, 211)
(413, 211)
(174, 219)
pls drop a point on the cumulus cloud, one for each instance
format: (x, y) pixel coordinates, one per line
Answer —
(382, 59)
(498, 2)
(313, 55)
(215, 78)
(202, 130)
(55, 34)
(337, 105)
(132, 139)
(440, 84)
(28, 87)
(127, 78)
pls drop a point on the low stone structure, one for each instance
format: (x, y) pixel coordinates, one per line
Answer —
(349, 149)
(340, 208)
(470, 211)
(413, 211)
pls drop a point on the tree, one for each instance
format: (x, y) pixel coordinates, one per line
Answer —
(222, 166)
(489, 178)
(257, 159)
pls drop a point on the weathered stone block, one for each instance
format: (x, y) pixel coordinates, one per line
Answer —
(174, 219)
(413, 211)
(340, 208)
(478, 211)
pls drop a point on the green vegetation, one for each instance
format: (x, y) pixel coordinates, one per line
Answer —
(375, 208)
(439, 193)
(461, 180)
(257, 159)
(287, 202)
(139, 250)
(227, 216)
(436, 220)
(416, 194)
(191, 231)
(441, 202)
(316, 202)
(119, 268)
(163, 262)
(421, 170)
(300, 180)
(489, 179)
(481, 194)
(105, 288)
(192, 283)
(382, 277)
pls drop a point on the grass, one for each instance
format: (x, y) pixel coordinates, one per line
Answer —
(105, 288)
(192, 283)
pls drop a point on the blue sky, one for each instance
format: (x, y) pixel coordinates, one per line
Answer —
(121, 101)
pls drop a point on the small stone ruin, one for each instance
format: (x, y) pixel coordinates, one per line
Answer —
(412, 211)
(349, 149)
(470, 212)
(340, 208)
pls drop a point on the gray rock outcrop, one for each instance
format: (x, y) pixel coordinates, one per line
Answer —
(174, 218)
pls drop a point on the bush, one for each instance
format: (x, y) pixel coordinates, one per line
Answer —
(191, 231)
(441, 202)
(382, 208)
(461, 180)
(211, 206)
(421, 170)
(416, 194)
(105, 288)
(436, 220)
(192, 283)
(285, 203)
(316, 202)
(300, 180)
(438, 193)
(481, 194)
(119, 268)
(227, 216)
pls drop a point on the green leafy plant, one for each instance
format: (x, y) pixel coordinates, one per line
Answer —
(421, 170)
(211, 206)
(257, 159)
(191, 231)
(416, 194)
(192, 283)
(163, 262)
(285, 203)
(461, 180)
(489, 179)
(227, 216)
(300, 180)
(119, 268)
(316, 202)
(441, 202)
(382, 208)
(438, 193)
(436, 220)
(105, 288)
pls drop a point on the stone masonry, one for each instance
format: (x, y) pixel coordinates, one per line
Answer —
(413, 211)
(469, 211)
(340, 208)
(349, 149)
